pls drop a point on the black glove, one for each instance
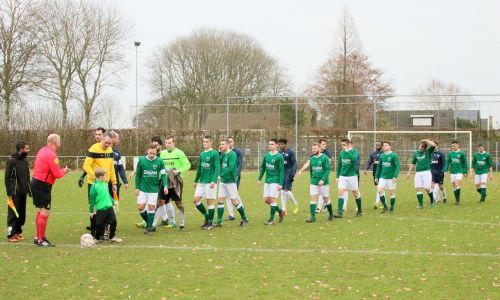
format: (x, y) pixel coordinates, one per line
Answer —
(80, 181)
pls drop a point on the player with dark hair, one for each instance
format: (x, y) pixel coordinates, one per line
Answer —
(482, 165)
(290, 162)
(347, 176)
(239, 166)
(437, 165)
(273, 167)
(98, 134)
(372, 163)
(387, 174)
(17, 185)
(458, 167)
(423, 177)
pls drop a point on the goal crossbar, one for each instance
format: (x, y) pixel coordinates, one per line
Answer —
(351, 132)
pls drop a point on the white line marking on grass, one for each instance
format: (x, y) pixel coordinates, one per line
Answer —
(283, 250)
(450, 221)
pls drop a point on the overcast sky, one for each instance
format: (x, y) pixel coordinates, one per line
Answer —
(411, 41)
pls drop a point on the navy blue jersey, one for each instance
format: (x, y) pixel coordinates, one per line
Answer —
(239, 159)
(372, 161)
(290, 161)
(327, 153)
(119, 168)
(438, 159)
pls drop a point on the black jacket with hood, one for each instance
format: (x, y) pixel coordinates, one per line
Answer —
(17, 176)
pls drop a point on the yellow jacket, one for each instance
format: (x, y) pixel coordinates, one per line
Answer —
(98, 157)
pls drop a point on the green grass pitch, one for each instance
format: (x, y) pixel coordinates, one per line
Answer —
(446, 252)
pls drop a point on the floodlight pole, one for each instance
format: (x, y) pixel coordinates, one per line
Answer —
(227, 116)
(296, 126)
(136, 44)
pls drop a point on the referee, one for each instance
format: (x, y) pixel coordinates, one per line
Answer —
(45, 172)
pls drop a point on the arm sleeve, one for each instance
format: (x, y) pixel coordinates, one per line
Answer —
(92, 198)
(138, 174)
(378, 170)
(369, 162)
(465, 165)
(121, 172)
(163, 174)
(217, 167)
(294, 163)
(54, 168)
(262, 168)
(282, 169)
(239, 158)
(198, 170)
(339, 166)
(326, 164)
(185, 164)
(358, 162)
(9, 177)
(447, 163)
(396, 166)
(442, 161)
(87, 165)
(112, 176)
(414, 160)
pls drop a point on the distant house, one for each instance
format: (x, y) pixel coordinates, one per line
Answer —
(427, 119)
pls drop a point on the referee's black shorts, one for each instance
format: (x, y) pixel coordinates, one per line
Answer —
(42, 193)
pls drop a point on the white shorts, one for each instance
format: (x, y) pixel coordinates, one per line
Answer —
(483, 178)
(271, 190)
(228, 190)
(386, 184)
(348, 183)
(321, 190)
(455, 177)
(147, 198)
(203, 190)
(423, 179)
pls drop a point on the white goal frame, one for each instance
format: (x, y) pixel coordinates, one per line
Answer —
(350, 132)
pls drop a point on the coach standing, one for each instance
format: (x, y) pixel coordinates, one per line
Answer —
(45, 172)
(17, 185)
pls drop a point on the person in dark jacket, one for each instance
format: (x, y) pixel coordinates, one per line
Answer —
(17, 184)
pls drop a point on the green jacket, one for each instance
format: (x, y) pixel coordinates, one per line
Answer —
(100, 197)
(175, 159)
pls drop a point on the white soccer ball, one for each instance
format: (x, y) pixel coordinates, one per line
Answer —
(87, 240)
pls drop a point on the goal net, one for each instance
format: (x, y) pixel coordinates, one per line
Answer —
(405, 143)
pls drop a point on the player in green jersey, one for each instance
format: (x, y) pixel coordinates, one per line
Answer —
(149, 169)
(386, 175)
(174, 159)
(274, 168)
(482, 165)
(457, 163)
(319, 168)
(423, 177)
(205, 181)
(347, 176)
(228, 187)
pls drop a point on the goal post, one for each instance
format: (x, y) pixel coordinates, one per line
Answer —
(405, 143)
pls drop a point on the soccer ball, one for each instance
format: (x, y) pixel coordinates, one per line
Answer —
(87, 240)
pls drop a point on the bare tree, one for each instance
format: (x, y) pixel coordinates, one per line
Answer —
(98, 54)
(195, 73)
(18, 41)
(438, 95)
(110, 114)
(347, 72)
(59, 22)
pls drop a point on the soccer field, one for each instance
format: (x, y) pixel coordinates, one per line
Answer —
(445, 252)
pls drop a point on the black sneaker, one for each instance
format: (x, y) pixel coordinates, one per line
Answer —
(164, 223)
(230, 218)
(444, 200)
(310, 220)
(181, 228)
(88, 228)
(35, 241)
(218, 225)
(359, 214)
(330, 217)
(204, 224)
(243, 223)
(45, 243)
(384, 210)
(337, 216)
(207, 227)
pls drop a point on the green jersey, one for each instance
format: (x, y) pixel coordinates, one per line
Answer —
(228, 167)
(274, 166)
(456, 162)
(388, 166)
(319, 167)
(347, 163)
(147, 173)
(100, 199)
(175, 159)
(208, 167)
(423, 159)
(481, 162)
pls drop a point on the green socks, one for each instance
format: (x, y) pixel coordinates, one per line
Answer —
(273, 211)
(144, 215)
(382, 199)
(241, 210)
(420, 198)
(457, 194)
(150, 220)
(220, 213)
(201, 208)
(393, 202)
(483, 194)
(340, 206)
(431, 196)
(329, 207)
(358, 203)
(211, 214)
(312, 209)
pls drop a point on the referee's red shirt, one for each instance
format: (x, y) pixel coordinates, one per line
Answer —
(46, 166)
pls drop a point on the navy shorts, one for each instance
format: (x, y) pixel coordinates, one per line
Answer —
(288, 182)
(437, 177)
